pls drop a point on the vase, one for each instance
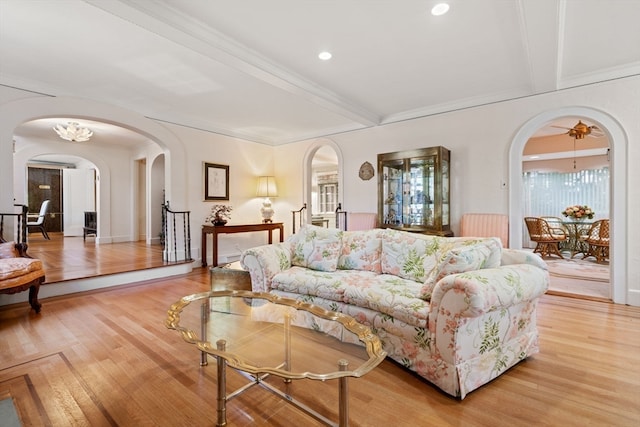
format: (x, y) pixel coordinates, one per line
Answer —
(219, 222)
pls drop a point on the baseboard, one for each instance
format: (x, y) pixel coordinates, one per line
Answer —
(633, 297)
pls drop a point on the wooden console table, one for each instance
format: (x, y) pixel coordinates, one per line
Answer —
(228, 229)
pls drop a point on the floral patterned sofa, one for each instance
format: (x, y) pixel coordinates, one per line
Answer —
(457, 311)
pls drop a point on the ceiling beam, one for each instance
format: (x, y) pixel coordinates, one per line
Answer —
(543, 49)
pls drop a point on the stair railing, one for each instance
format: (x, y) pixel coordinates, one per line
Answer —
(176, 246)
(299, 216)
(341, 218)
(20, 221)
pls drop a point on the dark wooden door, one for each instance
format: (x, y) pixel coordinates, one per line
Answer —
(43, 184)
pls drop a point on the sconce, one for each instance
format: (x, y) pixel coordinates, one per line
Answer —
(267, 188)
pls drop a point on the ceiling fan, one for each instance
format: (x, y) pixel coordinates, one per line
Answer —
(580, 130)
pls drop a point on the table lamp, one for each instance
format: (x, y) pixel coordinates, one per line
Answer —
(267, 188)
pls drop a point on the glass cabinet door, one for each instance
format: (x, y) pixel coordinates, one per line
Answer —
(392, 200)
(414, 190)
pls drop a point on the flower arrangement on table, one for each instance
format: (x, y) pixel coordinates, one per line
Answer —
(578, 212)
(219, 214)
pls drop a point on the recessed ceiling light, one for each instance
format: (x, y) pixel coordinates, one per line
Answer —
(324, 55)
(440, 9)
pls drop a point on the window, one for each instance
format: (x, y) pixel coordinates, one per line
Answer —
(328, 191)
(549, 193)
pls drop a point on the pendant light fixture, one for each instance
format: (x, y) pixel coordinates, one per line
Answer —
(73, 132)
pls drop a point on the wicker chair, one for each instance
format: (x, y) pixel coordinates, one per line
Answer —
(598, 240)
(547, 238)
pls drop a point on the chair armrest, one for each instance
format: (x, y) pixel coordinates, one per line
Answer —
(264, 262)
(558, 232)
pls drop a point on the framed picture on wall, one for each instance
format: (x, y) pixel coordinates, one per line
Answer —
(216, 182)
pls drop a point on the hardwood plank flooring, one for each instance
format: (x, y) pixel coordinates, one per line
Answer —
(105, 358)
(69, 258)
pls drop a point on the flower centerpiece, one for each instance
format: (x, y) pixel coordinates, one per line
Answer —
(578, 212)
(219, 214)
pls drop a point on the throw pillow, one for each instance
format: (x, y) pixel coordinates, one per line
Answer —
(317, 248)
(361, 250)
(408, 255)
(8, 250)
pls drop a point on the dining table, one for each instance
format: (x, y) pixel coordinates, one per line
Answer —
(576, 231)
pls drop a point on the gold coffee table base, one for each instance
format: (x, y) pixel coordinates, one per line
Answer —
(258, 380)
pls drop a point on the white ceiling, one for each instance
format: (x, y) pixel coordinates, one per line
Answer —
(249, 68)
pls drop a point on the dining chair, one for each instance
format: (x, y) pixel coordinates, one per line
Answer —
(38, 224)
(598, 240)
(547, 238)
(555, 222)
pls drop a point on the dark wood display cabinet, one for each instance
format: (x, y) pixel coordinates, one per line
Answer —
(413, 190)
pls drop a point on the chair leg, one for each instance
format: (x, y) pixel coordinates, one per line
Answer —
(33, 297)
(555, 248)
(546, 249)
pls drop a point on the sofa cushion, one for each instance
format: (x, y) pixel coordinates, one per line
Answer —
(8, 250)
(14, 267)
(361, 250)
(391, 295)
(317, 248)
(384, 293)
(329, 285)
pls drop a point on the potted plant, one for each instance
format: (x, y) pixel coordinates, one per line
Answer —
(219, 214)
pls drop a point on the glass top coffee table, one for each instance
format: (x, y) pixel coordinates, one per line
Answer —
(260, 334)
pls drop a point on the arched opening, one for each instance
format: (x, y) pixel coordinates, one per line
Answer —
(170, 169)
(566, 164)
(618, 187)
(323, 185)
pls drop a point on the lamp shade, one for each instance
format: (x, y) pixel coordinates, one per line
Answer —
(267, 187)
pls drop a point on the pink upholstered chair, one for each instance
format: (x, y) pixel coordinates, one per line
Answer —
(353, 221)
(361, 221)
(485, 225)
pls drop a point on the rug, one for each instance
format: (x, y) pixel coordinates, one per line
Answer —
(8, 414)
(579, 269)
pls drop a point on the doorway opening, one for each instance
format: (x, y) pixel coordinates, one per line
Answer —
(617, 189)
(323, 183)
(565, 166)
(69, 183)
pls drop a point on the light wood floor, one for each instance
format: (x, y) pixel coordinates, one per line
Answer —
(105, 358)
(68, 258)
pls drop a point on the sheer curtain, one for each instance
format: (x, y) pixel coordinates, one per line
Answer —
(549, 193)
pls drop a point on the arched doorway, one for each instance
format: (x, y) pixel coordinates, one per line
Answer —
(27, 110)
(618, 142)
(322, 159)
